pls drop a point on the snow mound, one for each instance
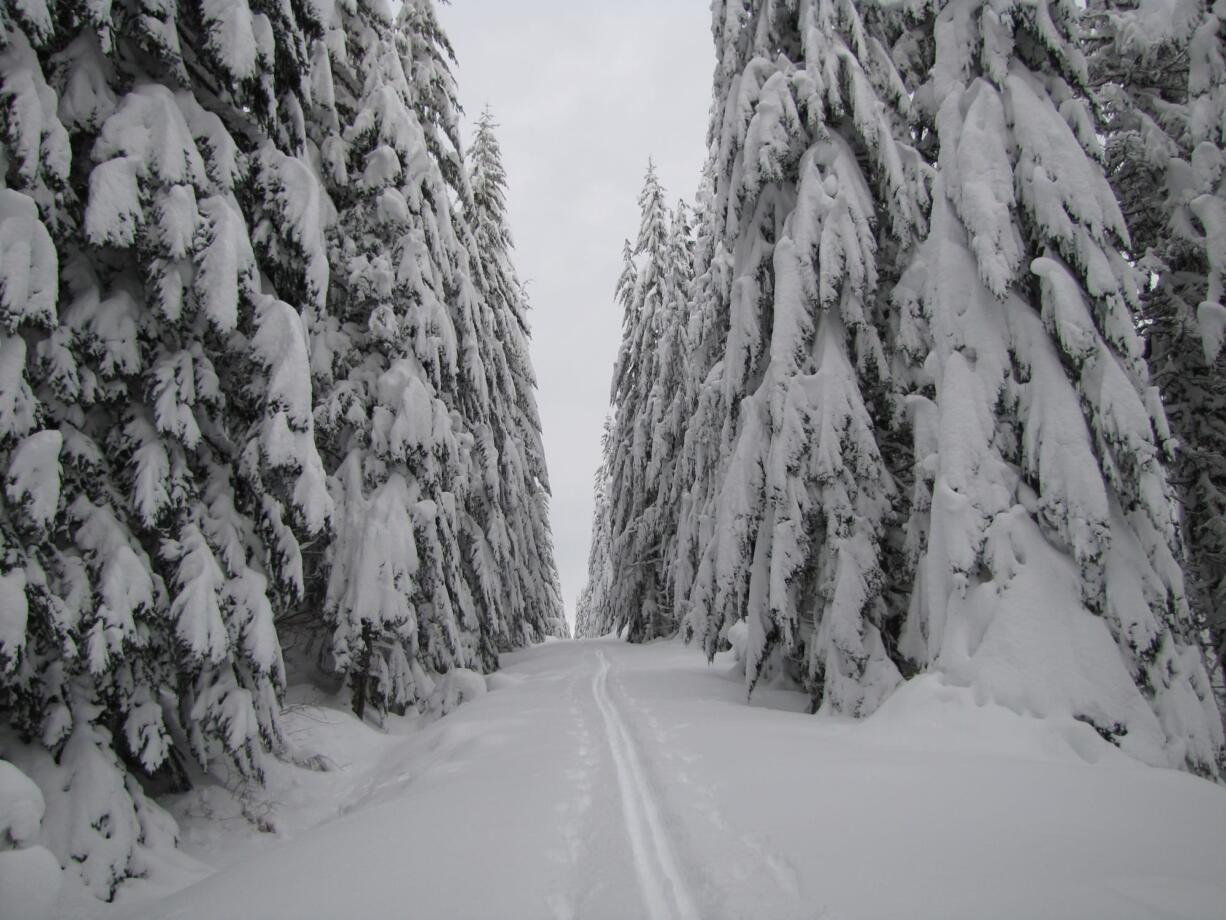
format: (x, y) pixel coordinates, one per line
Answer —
(30, 880)
(1212, 320)
(456, 687)
(29, 874)
(929, 713)
(21, 807)
(738, 638)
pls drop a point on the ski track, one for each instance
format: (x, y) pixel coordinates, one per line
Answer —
(754, 854)
(572, 813)
(664, 890)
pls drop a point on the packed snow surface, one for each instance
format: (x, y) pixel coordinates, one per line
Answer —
(603, 780)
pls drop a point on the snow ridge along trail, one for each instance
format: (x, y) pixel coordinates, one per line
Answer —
(665, 894)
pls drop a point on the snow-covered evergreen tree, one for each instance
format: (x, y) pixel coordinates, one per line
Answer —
(171, 329)
(442, 552)
(386, 357)
(413, 584)
(141, 477)
(1161, 71)
(592, 608)
(671, 400)
(1042, 524)
(638, 519)
(514, 475)
(811, 197)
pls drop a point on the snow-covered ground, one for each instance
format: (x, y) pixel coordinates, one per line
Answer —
(601, 780)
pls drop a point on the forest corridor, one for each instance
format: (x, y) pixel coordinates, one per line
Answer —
(905, 593)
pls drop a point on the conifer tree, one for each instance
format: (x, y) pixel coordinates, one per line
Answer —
(240, 373)
(1162, 76)
(811, 197)
(442, 553)
(635, 524)
(395, 600)
(670, 403)
(636, 596)
(1042, 523)
(592, 610)
(515, 477)
(157, 502)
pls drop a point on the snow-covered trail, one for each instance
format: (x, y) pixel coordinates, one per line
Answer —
(600, 781)
(664, 889)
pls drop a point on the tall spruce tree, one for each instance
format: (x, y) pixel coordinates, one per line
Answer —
(395, 600)
(670, 402)
(153, 504)
(636, 589)
(240, 373)
(637, 520)
(1042, 525)
(811, 199)
(514, 475)
(592, 609)
(1161, 73)
(443, 552)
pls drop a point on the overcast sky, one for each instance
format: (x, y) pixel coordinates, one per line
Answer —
(584, 91)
